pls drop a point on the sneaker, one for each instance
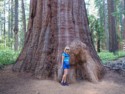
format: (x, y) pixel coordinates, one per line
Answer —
(62, 83)
(66, 84)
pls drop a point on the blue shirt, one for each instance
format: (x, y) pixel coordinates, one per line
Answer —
(66, 57)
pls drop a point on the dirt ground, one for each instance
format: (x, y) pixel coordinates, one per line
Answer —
(12, 83)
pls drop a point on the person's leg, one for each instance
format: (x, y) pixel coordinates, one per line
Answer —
(64, 76)
(66, 71)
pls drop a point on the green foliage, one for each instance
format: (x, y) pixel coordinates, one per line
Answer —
(108, 56)
(7, 57)
(97, 30)
(5, 42)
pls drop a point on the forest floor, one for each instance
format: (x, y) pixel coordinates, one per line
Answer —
(13, 83)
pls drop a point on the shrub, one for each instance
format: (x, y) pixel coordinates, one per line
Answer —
(7, 57)
(108, 56)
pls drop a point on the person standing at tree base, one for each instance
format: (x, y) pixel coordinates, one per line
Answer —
(65, 65)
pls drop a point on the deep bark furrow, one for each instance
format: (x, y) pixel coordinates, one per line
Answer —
(42, 34)
(75, 15)
(33, 4)
(36, 27)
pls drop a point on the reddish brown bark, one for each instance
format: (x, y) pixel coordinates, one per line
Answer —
(53, 24)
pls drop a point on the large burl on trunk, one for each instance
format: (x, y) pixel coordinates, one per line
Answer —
(53, 24)
(83, 63)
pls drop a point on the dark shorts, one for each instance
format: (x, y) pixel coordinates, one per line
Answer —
(66, 65)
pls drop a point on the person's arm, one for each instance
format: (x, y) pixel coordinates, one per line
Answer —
(62, 59)
(63, 56)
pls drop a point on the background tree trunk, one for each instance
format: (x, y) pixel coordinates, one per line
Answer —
(4, 34)
(113, 42)
(16, 26)
(12, 22)
(9, 19)
(24, 17)
(123, 24)
(123, 21)
(106, 24)
(53, 24)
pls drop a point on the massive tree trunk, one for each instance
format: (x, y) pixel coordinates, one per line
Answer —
(53, 24)
(113, 42)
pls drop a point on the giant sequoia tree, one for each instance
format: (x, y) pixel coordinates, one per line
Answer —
(53, 24)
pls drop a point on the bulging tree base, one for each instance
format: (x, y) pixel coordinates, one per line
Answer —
(83, 65)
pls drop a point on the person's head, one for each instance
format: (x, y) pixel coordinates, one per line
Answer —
(67, 49)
